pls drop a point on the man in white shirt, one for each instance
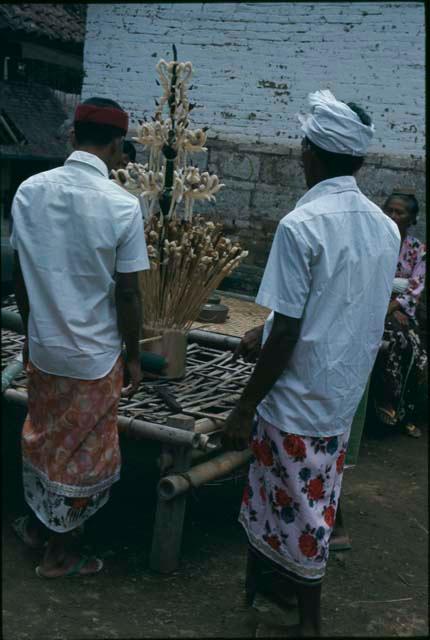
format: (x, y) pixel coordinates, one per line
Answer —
(80, 245)
(328, 282)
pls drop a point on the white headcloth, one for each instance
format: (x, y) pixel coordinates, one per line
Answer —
(333, 126)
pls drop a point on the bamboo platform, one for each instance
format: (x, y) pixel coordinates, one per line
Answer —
(185, 416)
(211, 386)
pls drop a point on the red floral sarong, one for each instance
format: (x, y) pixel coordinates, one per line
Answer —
(290, 500)
(70, 446)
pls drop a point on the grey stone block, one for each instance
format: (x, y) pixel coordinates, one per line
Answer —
(273, 203)
(243, 166)
(234, 199)
(380, 182)
(282, 170)
(199, 160)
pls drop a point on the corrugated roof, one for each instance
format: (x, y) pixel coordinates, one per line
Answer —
(55, 22)
(38, 115)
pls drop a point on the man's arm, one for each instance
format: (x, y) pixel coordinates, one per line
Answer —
(129, 312)
(22, 302)
(272, 362)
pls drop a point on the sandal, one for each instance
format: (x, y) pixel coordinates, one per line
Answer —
(75, 570)
(20, 527)
(412, 430)
(387, 416)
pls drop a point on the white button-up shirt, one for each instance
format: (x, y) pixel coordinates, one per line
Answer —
(73, 229)
(332, 263)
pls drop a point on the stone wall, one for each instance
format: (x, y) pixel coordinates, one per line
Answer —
(263, 183)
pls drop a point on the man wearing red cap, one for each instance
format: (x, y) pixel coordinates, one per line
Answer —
(79, 247)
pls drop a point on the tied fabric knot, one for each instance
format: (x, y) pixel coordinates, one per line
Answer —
(335, 127)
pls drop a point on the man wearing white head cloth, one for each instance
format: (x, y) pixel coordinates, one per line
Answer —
(328, 282)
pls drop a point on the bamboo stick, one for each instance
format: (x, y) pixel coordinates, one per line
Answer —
(132, 427)
(212, 339)
(173, 485)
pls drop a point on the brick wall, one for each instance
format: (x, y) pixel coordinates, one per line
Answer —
(254, 65)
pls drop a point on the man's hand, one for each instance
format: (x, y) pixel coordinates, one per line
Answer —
(393, 306)
(133, 375)
(250, 345)
(401, 318)
(237, 429)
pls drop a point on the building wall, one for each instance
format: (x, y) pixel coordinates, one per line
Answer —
(254, 64)
(263, 183)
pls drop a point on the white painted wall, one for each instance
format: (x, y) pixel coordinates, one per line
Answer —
(255, 63)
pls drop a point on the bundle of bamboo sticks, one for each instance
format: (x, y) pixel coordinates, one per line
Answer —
(189, 257)
(188, 260)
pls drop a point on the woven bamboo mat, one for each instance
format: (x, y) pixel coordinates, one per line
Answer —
(242, 317)
(212, 384)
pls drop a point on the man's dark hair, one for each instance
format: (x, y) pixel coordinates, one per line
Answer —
(410, 201)
(100, 135)
(341, 164)
(129, 148)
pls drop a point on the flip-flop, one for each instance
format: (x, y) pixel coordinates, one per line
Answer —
(20, 527)
(387, 416)
(75, 570)
(413, 431)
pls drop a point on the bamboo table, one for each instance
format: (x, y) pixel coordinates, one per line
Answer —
(184, 416)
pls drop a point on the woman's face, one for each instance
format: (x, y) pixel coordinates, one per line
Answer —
(397, 209)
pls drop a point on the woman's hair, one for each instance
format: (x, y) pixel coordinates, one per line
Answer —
(341, 164)
(100, 135)
(410, 201)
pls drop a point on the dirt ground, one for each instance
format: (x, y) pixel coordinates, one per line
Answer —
(379, 588)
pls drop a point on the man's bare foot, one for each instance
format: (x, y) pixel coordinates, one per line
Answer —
(71, 566)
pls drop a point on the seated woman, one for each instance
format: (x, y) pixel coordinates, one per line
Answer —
(401, 363)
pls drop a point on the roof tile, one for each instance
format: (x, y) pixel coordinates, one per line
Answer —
(38, 115)
(56, 22)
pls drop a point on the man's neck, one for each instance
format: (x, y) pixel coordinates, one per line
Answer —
(96, 151)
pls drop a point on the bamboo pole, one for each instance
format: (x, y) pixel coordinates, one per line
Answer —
(173, 485)
(212, 339)
(207, 425)
(139, 429)
(12, 321)
(165, 461)
(8, 374)
(169, 516)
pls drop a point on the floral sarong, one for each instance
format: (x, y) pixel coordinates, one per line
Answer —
(290, 501)
(399, 374)
(70, 445)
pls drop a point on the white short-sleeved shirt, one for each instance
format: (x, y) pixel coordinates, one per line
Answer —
(332, 263)
(73, 229)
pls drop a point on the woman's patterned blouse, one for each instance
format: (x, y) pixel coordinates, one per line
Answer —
(411, 265)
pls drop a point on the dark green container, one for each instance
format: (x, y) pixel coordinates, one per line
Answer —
(357, 430)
